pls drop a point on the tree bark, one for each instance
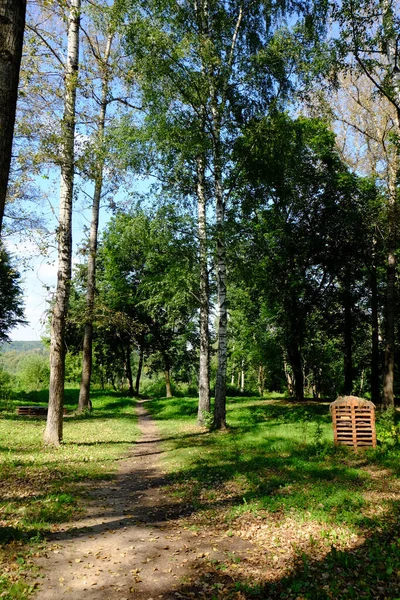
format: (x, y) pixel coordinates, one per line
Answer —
(348, 338)
(54, 426)
(393, 59)
(242, 377)
(139, 371)
(294, 356)
(204, 367)
(261, 380)
(388, 378)
(128, 369)
(87, 356)
(289, 378)
(375, 384)
(168, 389)
(222, 354)
(12, 24)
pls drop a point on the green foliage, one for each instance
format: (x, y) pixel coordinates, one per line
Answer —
(305, 230)
(388, 427)
(33, 372)
(11, 312)
(73, 368)
(7, 383)
(146, 294)
(20, 346)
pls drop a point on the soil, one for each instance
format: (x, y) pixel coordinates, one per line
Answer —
(133, 541)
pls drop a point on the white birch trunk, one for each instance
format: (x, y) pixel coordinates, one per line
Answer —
(220, 386)
(204, 366)
(54, 426)
(84, 393)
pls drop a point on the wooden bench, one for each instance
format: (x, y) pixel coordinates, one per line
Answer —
(34, 411)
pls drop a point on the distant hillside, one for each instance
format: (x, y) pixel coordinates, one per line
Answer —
(23, 347)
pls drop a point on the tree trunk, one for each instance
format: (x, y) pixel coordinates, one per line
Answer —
(375, 384)
(220, 387)
(12, 24)
(84, 393)
(348, 338)
(139, 371)
(362, 382)
(289, 379)
(128, 369)
(294, 356)
(242, 378)
(53, 431)
(204, 368)
(392, 56)
(261, 380)
(168, 389)
(388, 379)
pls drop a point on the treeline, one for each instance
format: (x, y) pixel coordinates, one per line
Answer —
(305, 293)
(264, 250)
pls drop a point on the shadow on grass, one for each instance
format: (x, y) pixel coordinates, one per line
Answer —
(369, 570)
(276, 476)
(273, 473)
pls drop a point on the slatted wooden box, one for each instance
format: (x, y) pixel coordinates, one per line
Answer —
(353, 422)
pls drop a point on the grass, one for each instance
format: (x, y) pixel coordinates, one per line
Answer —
(43, 487)
(323, 522)
(276, 478)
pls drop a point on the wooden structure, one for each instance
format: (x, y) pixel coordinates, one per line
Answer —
(353, 422)
(34, 411)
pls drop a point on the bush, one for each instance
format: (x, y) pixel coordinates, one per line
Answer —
(34, 373)
(6, 388)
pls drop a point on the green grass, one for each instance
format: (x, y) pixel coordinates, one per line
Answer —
(42, 487)
(280, 457)
(277, 464)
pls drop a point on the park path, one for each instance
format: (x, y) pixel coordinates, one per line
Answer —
(130, 543)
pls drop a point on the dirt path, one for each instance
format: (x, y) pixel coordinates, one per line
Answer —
(130, 544)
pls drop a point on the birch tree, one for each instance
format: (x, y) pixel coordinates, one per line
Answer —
(84, 394)
(100, 37)
(218, 64)
(54, 426)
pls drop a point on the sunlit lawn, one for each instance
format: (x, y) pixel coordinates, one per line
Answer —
(276, 478)
(40, 486)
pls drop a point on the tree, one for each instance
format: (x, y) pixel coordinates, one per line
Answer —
(145, 293)
(11, 305)
(365, 123)
(105, 64)
(12, 24)
(303, 219)
(54, 425)
(213, 65)
(369, 33)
